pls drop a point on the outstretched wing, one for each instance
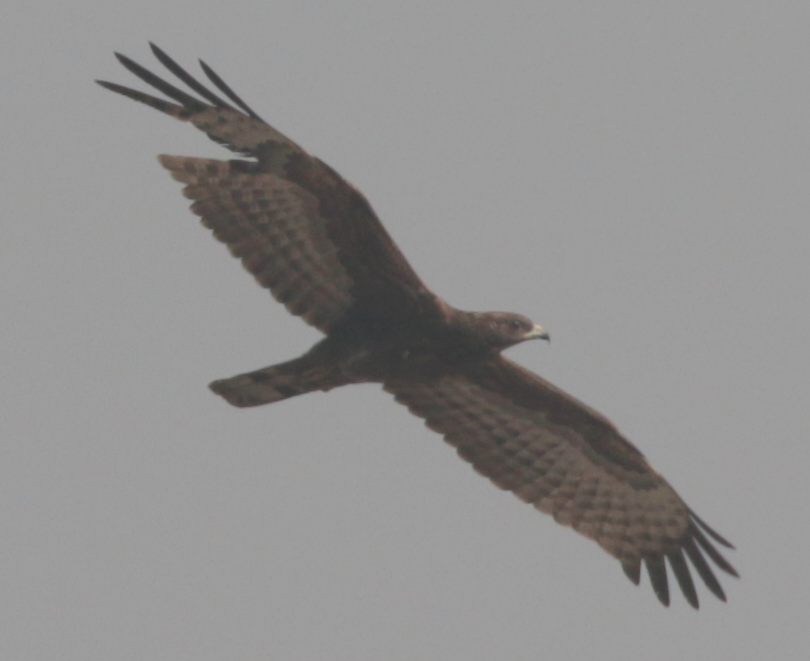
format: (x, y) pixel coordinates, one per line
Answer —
(302, 230)
(554, 452)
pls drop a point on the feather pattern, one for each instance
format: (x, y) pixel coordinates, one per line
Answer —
(313, 240)
(568, 461)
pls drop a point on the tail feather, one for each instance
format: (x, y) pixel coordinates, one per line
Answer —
(272, 384)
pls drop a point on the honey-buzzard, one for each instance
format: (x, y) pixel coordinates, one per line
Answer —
(314, 241)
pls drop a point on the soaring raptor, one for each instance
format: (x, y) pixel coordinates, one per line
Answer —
(314, 241)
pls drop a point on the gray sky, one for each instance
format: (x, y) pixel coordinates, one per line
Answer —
(632, 175)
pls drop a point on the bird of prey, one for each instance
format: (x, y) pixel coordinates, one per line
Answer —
(314, 241)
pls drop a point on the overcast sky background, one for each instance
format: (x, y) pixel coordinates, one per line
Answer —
(632, 175)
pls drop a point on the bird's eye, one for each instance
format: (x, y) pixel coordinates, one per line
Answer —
(516, 324)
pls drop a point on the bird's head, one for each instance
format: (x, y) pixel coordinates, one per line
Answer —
(501, 330)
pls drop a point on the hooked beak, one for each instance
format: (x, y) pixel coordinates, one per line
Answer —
(537, 333)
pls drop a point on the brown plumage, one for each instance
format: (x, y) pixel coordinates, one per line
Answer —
(313, 240)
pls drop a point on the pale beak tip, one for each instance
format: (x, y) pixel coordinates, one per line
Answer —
(538, 333)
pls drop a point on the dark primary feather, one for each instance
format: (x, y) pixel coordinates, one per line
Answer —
(181, 73)
(313, 240)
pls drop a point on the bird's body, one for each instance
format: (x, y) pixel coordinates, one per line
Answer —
(406, 350)
(314, 241)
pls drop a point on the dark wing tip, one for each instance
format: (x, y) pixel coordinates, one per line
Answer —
(187, 78)
(698, 549)
(703, 569)
(189, 105)
(710, 531)
(657, 571)
(152, 101)
(708, 549)
(684, 577)
(694, 546)
(632, 569)
(189, 102)
(223, 87)
(130, 64)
